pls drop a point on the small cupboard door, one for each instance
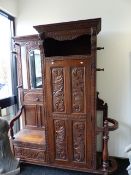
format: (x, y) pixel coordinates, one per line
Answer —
(70, 128)
(33, 116)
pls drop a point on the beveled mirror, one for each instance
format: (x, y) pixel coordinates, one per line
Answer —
(35, 69)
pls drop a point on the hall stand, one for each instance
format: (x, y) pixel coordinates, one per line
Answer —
(59, 107)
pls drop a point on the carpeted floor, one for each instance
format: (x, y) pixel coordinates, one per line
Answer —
(27, 169)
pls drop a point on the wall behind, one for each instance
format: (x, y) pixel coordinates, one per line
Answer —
(114, 84)
(9, 6)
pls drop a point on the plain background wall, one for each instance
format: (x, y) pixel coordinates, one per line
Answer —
(9, 6)
(114, 84)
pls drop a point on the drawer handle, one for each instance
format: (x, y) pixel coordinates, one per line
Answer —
(37, 99)
(52, 61)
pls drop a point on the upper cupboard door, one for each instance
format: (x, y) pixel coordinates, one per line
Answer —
(68, 85)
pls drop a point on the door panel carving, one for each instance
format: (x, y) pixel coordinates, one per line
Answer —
(79, 129)
(60, 139)
(58, 89)
(78, 76)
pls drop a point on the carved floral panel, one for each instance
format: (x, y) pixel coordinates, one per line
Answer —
(60, 139)
(79, 141)
(78, 77)
(58, 89)
(30, 154)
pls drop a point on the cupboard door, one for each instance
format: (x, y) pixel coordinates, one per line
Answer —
(30, 115)
(68, 88)
(34, 116)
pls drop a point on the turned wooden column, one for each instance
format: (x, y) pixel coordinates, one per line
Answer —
(105, 148)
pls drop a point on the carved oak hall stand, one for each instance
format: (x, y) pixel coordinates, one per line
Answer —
(57, 87)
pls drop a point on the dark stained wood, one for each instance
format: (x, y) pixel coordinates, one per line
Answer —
(102, 106)
(31, 137)
(33, 96)
(68, 104)
(29, 142)
(69, 26)
(59, 120)
(24, 39)
(17, 116)
(30, 145)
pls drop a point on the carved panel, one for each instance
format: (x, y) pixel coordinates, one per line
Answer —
(79, 141)
(78, 77)
(32, 45)
(58, 89)
(60, 139)
(30, 153)
(67, 35)
(19, 65)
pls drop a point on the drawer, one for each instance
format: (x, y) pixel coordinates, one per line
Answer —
(33, 97)
(30, 154)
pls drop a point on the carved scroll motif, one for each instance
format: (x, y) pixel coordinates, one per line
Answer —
(60, 139)
(32, 45)
(58, 89)
(30, 154)
(78, 89)
(79, 141)
(19, 65)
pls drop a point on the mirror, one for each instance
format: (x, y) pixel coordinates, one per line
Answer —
(35, 69)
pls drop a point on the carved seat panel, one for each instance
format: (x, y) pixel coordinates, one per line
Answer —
(29, 136)
(29, 145)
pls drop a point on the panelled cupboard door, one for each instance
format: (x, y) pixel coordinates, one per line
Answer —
(33, 116)
(68, 89)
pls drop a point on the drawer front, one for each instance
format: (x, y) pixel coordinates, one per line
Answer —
(30, 154)
(33, 97)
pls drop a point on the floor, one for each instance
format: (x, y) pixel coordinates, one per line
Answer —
(27, 169)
